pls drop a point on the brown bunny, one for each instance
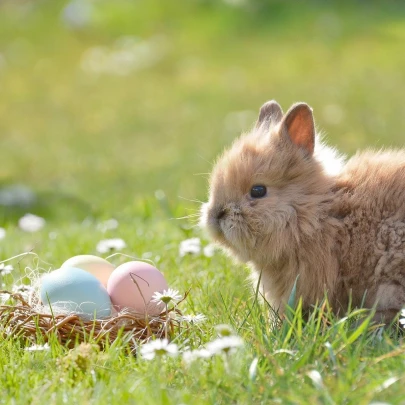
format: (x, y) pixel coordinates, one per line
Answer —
(289, 206)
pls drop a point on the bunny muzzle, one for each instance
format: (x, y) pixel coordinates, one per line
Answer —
(225, 223)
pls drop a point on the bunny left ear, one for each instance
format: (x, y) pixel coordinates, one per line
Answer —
(298, 124)
(270, 112)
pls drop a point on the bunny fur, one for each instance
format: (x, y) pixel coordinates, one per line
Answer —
(339, 227)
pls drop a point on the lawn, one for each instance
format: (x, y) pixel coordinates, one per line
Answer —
(117, 110)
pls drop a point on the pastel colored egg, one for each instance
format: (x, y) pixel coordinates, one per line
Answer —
(132, 285)
(73, 290)
(97, 266)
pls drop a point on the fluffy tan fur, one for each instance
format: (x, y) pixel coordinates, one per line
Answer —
(342, 232)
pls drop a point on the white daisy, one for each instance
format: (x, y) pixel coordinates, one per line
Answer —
(2, 233)
(166, 296)
(107, 245)
(5, 269)
(24, 290)
(209, 250)
(225, 345)
(192, 355)
(224, 330)
(402, 320)
(107, 225)
(31, 223)
(158, 348)
(37, 348)
(193, 319)
(190, 246)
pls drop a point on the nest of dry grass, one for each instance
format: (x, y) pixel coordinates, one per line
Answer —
(26, 320)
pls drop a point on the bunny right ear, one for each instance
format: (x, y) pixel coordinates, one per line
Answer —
(270, 112)
(298, 125)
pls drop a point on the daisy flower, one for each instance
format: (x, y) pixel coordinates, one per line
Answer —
(225, 345)
(402, 319)
(31, 223)
(224, 330)
(193, 319)
(37, 348)
(209, 250)
(24, 290)
(192, 355)
(108, 225)
(158, 348)
(190, 246)
(166, 296)
(107, 245)
(5, 269)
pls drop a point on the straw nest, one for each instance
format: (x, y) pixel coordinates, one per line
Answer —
(30, 321)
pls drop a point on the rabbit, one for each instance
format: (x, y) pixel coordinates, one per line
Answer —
(296, 211)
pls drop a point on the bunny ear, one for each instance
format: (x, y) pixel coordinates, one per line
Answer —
(299, 125)
(270, 112)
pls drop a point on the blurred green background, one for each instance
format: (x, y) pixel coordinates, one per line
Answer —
(104, 102)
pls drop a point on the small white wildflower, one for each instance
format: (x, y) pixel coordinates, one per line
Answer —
(192, 355)
(190, 246)
(224, 330)
(193, 319)
(31, 223)
(166, 296)
(2, 233)
(5, 269)
(209, 250)
(402, 320)
(107, 225)
(225, 345)
(37, 348)
(107, 245)
(24, 290)
(158, 348)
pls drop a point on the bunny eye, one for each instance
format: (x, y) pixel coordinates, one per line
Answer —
(258, 191)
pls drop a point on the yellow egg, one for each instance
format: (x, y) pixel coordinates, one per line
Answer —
(98, 267)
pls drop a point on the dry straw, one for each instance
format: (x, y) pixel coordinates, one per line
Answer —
(26, 320)
(29, 319)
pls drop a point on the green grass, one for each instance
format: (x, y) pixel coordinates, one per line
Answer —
(94, 147)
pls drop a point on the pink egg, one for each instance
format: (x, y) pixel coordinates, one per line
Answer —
(125, 293)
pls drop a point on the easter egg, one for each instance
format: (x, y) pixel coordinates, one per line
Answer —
(97, 266)
(132, 285)
(73, 290)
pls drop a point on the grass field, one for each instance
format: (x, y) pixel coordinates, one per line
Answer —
(117, 110)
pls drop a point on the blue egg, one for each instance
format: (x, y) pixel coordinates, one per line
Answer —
(75, 291)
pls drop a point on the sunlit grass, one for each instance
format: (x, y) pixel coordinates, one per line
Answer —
(138, 148)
